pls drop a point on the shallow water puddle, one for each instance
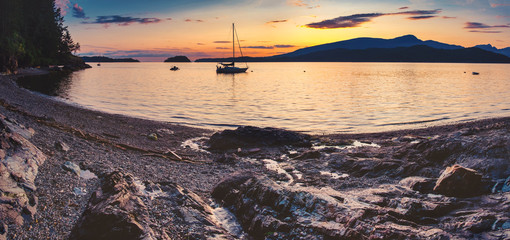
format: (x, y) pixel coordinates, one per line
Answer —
(227, 220)
(333, 175)
(355, 144)
(195, 144)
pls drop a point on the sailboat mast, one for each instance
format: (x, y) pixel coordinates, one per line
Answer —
(233, 46)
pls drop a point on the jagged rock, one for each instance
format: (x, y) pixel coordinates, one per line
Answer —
(72, 167)
(62, 146)
(3, 231)
(114, 212)
(19, 165)
(457, 181)
(248, 136)
(124, 208)
(293, 212)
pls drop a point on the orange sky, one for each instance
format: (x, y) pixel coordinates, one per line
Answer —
(155, 30)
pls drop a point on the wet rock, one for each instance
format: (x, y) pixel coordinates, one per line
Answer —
(502, 185)
(62, 146)
(18, 169)
(114, 212)
(457, 181)
(247, 136)
(313, 154)
(72, 167)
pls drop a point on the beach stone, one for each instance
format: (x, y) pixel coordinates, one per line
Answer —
(457, 181)
(62, 146)
(72, 167)
(153, 136)
(252, 137)
(115, 211)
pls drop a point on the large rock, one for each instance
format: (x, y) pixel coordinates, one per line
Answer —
(248, 136)
(458, 181)
(268, 210)
(126, 208)
(19, 164)
(115, 212)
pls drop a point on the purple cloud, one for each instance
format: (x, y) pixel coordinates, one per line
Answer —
(421, 17)
(357, 20)
(277, 21)
(122, 21)
(284, 46)
(481, 31)
(402, 8)
(192, 20)
(477, 25)
(259, 47)
(222, 42)
(78, 12)
(63, 5)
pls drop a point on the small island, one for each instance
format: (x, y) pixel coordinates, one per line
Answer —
(178, 59)
(107, 59)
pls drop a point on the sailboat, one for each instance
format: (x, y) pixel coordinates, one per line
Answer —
(231, 67)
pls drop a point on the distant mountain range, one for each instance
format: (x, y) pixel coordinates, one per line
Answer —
(107, 59)
(407, 48)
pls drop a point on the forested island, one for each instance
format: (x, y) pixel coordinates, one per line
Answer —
(32, 33)
(107, 59)
(178, 59)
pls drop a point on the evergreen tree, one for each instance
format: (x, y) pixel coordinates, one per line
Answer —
(32, 32)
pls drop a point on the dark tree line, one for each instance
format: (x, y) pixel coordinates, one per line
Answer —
(32, 33)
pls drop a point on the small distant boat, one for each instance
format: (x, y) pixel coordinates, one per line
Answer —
(231, 67)
(174, 68)
(476, 73)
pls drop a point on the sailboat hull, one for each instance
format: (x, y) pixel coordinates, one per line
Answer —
(230, 70)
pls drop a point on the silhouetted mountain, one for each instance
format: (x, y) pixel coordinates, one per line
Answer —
(418, 53)
(488, 47)
(107, 59)
(366, 43)
(178, 59)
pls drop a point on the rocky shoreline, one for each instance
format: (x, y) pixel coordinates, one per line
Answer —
(72, 173)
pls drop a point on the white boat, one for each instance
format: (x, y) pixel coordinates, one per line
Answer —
(231, 67)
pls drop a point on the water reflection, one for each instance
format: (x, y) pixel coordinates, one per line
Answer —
(328, 97)
(53, 84)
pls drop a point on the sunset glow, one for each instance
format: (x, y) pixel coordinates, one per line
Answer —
(198, 29)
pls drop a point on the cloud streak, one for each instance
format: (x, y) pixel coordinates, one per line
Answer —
(277, 21)
(357, 20)
(483, 28)
(122, 21)
(302, 3)
(478, 25)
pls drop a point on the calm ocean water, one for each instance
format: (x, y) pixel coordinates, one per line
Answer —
(313, 97)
